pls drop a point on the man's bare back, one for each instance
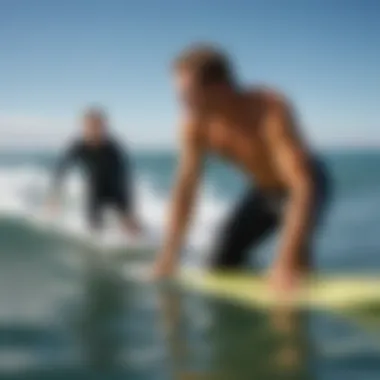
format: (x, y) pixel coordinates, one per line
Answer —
(257, 132)
(245, 138)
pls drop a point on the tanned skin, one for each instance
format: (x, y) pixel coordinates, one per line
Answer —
(255, 130)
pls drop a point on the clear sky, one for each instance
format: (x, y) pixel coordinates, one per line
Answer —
(57, 56)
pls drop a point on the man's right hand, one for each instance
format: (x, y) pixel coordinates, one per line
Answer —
(132, 227)
(165, 266)
(52, 206)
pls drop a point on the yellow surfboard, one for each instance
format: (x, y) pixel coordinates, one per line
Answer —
(335, 292)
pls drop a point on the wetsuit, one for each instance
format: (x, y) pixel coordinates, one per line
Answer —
(107, 172)
(258, 214)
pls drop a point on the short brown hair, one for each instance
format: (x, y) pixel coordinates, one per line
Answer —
(210, 64)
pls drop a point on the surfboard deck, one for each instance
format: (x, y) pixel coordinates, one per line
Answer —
(334, 292)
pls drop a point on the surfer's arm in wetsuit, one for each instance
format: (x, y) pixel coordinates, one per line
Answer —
(72, 154)
(188, 175)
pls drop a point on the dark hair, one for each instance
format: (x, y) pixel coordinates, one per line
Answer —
(95, 112)
(210, 64)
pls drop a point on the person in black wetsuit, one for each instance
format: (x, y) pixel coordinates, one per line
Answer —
(107, 172)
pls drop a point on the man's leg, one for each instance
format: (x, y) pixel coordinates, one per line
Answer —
(249, 223)
(94, 211)
(125, 211)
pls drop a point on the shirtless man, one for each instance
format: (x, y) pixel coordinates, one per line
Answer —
(256, 130)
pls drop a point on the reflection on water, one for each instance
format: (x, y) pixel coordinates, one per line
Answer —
(102, 303)
(70, 314)
(235, 343)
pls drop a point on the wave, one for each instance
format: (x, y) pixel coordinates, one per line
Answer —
(24, 192)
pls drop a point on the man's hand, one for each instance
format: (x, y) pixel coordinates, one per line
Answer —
(132, 227)
(165, 266)
(284, 279)
(287, 279)
(52, 206)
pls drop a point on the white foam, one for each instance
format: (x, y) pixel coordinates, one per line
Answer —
(24, 190)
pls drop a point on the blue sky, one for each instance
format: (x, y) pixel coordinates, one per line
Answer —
(59, 56)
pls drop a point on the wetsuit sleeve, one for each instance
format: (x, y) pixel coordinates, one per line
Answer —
(129, 185)
(126, 176)
(72, 153)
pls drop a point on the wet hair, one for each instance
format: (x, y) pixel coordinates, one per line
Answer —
(209, 64)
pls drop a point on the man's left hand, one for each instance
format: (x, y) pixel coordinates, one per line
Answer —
(284, 280)
(132, 227)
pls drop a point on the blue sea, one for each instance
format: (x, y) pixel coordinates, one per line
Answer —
(67, 312)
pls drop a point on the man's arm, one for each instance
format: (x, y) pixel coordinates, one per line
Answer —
(292, 160)
(186, 184)
(70, 155)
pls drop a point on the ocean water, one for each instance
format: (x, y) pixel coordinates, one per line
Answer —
(67, 311)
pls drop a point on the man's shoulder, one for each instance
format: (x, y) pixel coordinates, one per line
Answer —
(266, 95)
(191, 126)
(276, 104)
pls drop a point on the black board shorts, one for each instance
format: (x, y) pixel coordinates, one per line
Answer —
(257, 215)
